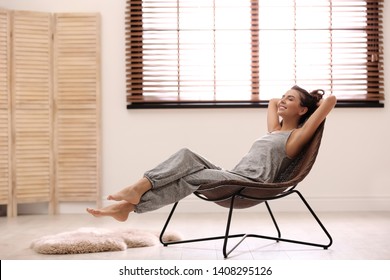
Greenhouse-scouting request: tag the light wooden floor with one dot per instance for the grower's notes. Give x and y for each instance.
(357, 236)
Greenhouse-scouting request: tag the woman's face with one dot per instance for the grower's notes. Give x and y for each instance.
(290, 105)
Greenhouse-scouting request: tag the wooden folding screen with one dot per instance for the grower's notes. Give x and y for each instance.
(5, 113)
(50, 108)
(32, 112)
(77, 83)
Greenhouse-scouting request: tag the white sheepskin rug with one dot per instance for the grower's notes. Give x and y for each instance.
(93, 240)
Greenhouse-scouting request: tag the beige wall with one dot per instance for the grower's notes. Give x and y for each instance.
(352, 171)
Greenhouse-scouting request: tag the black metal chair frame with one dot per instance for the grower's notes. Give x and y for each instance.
(243, 236)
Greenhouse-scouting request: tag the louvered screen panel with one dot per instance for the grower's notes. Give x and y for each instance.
(77, 94)
(5, 113)
(32, 102)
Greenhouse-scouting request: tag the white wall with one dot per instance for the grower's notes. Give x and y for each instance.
(352, 170)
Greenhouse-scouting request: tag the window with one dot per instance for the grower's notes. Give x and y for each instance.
(242, 53)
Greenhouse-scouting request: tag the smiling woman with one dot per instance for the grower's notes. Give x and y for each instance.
(184, 172)
(240, 53)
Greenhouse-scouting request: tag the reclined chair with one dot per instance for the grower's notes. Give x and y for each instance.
(238, 195)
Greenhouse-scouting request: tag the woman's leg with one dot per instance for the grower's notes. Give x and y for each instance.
(180, 164)
(162, 185)
(156, 198)
(179, 189)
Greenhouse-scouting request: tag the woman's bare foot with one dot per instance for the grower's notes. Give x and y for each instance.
(128, 194)
(119, 211)
(133, 193)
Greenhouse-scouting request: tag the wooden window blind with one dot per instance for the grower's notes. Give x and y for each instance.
(211, 52)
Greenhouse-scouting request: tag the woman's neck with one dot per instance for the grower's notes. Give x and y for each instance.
(289, 125)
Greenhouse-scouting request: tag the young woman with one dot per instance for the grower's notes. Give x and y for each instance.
(181, 174)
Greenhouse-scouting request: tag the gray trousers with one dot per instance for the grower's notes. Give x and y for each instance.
(179, 176)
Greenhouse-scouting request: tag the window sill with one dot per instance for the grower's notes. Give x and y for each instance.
(261, 104)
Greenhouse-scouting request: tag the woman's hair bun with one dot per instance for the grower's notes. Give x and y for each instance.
(317, 94)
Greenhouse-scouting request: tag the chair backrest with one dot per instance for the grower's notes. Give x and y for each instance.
(221, 192)
(302, 164)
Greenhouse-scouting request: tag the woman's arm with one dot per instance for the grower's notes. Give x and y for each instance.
(273, 122)
(302, 135)
(319, 115)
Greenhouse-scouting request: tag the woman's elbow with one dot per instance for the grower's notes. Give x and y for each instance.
(330, 101)
(333, 99)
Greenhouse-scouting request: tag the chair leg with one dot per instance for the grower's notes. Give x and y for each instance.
(325, 246)
(227, 236)
(166, 225)
(273, 219)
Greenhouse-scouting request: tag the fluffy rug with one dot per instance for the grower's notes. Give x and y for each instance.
(93, 240)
